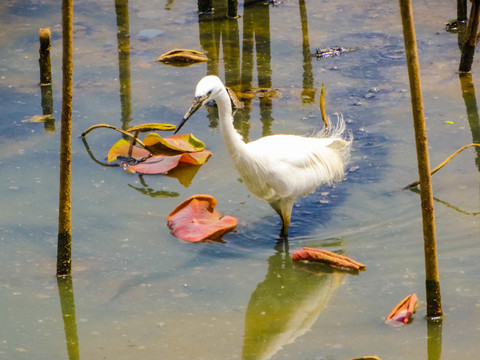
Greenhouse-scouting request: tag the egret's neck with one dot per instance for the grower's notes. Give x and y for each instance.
(233, 140)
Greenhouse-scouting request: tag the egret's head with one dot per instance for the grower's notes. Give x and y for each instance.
(207, 89)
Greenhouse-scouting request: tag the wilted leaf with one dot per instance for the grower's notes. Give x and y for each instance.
(326, 257)
(157, 164)
(403, 311)
(122, 148)
(182, 57)
(177, 143)
(195, 219)
(196, 158)
(152, 127)
(168, 153)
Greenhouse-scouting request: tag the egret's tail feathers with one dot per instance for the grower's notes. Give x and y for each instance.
(334, 129)
(341, 144)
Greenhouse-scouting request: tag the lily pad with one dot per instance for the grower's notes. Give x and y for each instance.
(196, 158)
(122, 148)
(157, 164)
(177, 143)
(196, 219)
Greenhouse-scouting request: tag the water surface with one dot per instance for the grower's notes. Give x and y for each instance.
(140, 292)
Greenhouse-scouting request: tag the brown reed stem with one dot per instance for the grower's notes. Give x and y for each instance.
(64, 247)
(468, 50)
(44, 60)
(434, 304)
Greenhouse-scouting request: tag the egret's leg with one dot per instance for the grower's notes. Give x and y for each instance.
(286, 206)
(277, 207)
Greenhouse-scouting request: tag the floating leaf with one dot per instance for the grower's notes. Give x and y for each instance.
(195, 219)
(157, 164)
(196, 158)
(326, 257)
(177, 143)
(182, 57)
(122, 148)
(403, 311)
(152, 127)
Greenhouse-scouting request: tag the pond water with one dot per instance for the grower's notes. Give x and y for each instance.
(137, 291)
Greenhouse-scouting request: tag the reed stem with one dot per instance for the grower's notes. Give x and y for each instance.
(434, 304)
(468, 50)
(64, 247)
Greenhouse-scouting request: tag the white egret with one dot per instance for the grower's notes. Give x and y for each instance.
(277, 168)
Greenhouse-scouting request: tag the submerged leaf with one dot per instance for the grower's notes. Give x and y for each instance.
(326, 257)
(196, 219)
(403, 311)
(175, 143)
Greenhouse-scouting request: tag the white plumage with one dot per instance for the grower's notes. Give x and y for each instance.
(277, 168)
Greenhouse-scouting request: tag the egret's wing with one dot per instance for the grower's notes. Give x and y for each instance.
(295, 166)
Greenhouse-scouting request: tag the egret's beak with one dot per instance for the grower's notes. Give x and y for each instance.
(197, 103)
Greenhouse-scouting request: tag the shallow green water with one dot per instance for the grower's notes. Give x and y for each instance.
(141, 293)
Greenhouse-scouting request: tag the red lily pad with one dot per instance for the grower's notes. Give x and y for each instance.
(196, 219)
(403, 311)
(161, 164)
(158, 164)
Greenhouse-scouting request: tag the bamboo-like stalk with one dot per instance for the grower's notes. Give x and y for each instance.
(434, 304)
(64, 247)
(46, 78)
(462, 11)
(44, 61)
(468, 50)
